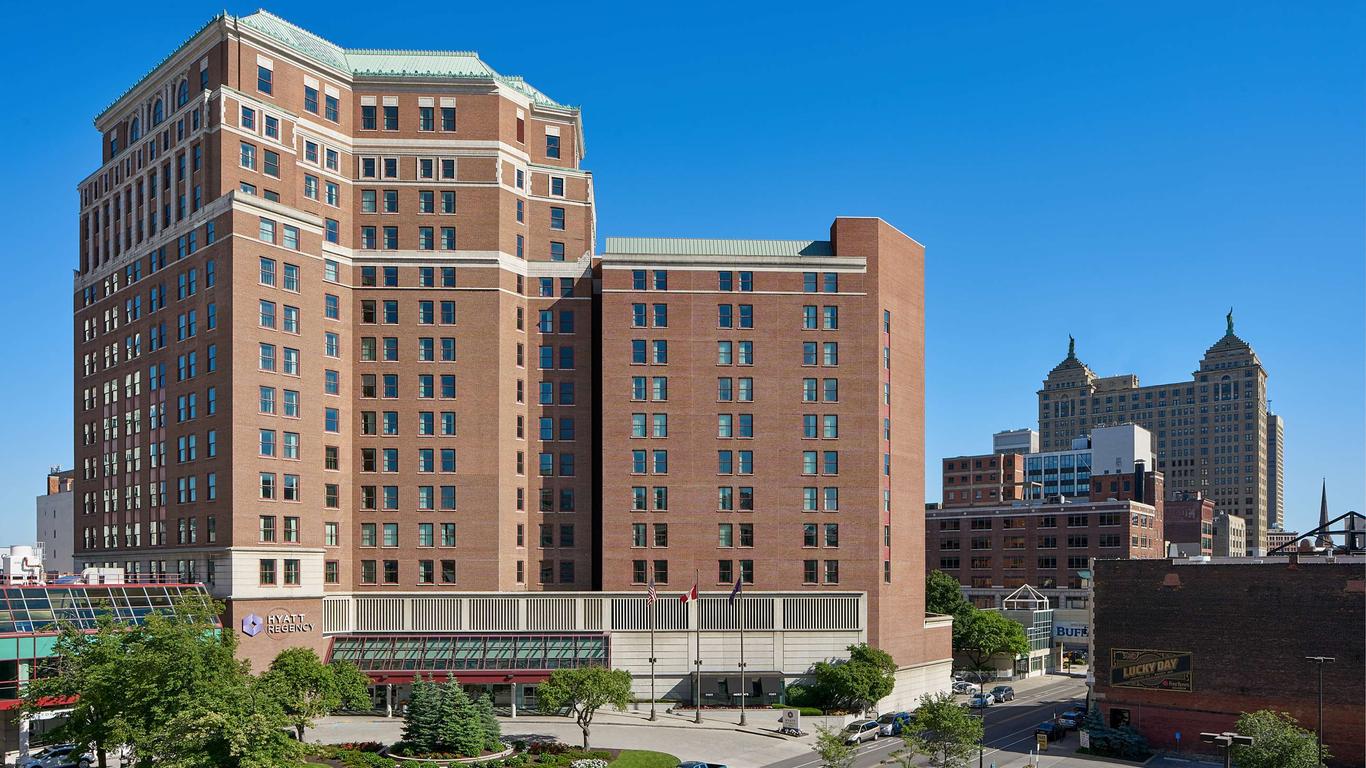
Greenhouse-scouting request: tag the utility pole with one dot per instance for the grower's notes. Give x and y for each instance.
(1320, 661)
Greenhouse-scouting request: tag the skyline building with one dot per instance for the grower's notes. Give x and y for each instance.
(1211, 433)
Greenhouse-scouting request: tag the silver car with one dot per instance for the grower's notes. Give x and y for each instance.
(981, 700)
(58, 756)
(860, 731)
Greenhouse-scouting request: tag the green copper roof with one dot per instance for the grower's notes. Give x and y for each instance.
(365, 62)
(685, 246)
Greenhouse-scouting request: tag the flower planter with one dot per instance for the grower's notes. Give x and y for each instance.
(449, 761)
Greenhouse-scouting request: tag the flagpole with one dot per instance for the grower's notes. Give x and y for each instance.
(697, 661)
(650, 606)
(740, 604)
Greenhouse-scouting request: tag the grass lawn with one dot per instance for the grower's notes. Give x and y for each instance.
(643, 758)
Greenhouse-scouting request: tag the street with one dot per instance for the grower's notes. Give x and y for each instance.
(1009, 728)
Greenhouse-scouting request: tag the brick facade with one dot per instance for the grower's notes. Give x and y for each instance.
(1248, 627)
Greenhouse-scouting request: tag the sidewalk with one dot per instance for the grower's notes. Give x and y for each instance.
(1048, 760)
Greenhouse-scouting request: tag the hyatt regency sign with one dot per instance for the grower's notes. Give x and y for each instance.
(1150, 670)
(277, 623)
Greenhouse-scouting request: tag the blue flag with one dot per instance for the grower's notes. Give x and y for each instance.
(734, 593)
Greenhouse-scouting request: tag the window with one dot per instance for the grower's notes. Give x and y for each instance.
(264, 76)
(552, 146)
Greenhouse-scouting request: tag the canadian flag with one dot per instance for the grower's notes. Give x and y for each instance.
(690, 594)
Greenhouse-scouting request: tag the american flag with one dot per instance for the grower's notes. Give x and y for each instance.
(650, 594)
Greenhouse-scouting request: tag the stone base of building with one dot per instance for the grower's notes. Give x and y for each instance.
(915, 681)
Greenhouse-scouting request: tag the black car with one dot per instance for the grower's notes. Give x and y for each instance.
(1050, 732)
(1003, 693)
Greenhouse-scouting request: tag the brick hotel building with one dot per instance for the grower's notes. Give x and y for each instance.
(341, 353)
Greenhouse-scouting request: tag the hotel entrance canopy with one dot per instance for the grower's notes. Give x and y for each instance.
(471, 658)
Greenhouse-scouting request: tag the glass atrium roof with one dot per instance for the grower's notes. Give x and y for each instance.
(453, 653)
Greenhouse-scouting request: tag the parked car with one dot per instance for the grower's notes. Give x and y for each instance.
(981, 701)
(58, 756)
(700, 764)
(1050, 731)
(1078, 712)
(860, 731)
(1068, 721)
(963, 686)
(1003, 693)
(892, 723)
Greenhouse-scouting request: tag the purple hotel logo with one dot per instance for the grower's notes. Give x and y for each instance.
(252, 625)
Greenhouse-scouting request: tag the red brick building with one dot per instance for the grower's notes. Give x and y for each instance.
(337, 335)
(993, 550)
(1186, 646)
(1189, 523)
(986, 480)
(762, 419)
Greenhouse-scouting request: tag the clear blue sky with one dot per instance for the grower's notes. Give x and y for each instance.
(1122, 172)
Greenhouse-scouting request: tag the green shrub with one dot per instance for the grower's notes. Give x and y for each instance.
(807, 711)
(353, 759)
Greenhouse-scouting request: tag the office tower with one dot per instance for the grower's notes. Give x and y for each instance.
(1211, 432)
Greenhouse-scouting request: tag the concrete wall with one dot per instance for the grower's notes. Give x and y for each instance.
(56, 531)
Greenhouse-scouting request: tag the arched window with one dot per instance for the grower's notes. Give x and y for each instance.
(158, 112)
(182, 94)
(1226, 388)
(134, 130)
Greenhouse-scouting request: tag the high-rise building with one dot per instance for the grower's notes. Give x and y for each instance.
(328, 301)
(1275, 471)
(1211, 433)
(338, 356)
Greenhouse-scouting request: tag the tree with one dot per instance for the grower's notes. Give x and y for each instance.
(241, 726)
(86, 667)
(422, 718)
(1122, 742)
(830, 746)
(441, 718)
(1278, 741)
(865, 678)
(979, 635)
(585, 690)
(306, 688)
(131, 680)
(943, 594)
(353, 687)
(461, 728)
(943, 730)
(493, 732)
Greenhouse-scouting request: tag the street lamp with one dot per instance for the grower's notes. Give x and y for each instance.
(1320, 660)
(1226, 741)
(981, 745)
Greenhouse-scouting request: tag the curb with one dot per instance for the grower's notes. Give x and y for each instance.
(660, 723)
